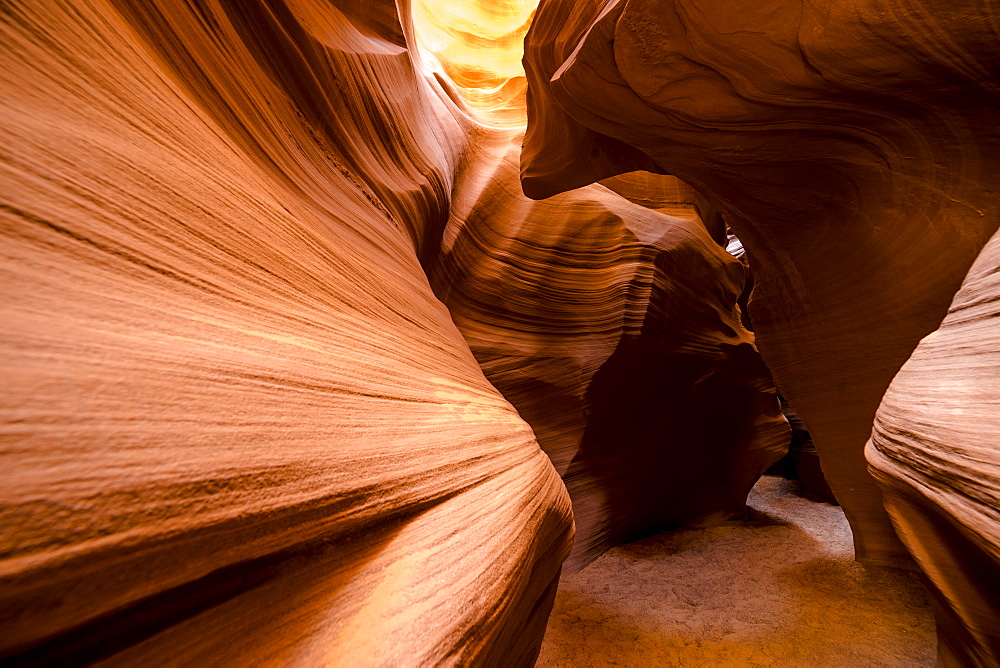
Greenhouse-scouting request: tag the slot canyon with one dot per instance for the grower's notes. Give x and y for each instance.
(495, 332)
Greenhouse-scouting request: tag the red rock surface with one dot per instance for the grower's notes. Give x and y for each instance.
(238, 426)
(851, 148)
(935, 454)
(559, 153)
(614, 331)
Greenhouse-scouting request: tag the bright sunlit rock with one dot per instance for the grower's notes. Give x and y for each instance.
(479, 45)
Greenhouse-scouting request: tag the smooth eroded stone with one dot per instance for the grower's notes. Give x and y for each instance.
(560, 154)
(237, 426)
(852, 148)
(614, 331)
(935, 452)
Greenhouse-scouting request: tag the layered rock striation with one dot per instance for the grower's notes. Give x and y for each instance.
(851, 147)
(238, 426)
(934, 452)
(613, 329)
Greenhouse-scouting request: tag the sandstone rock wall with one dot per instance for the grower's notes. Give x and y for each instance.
(614, 331)
(936, 453)
(238, 426)
(852, 148)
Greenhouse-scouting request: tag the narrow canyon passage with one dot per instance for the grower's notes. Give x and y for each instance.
(372, 332)
(780, 589)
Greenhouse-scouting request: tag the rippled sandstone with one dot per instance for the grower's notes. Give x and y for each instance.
(613, 329)
(934, 451)
(238, 426)
(851, 148)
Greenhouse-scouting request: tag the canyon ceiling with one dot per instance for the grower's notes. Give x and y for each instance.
(331, 335)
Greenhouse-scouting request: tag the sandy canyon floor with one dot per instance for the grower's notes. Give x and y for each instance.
(781, 589)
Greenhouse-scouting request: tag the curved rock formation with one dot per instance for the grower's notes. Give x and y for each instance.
(237, 424)
(560, 154)
(614, 331)
(850, 146)
(934, 452)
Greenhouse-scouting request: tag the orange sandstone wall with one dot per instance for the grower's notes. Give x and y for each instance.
(614, 331)
(851, 147)
(935, 452)
(237, 425)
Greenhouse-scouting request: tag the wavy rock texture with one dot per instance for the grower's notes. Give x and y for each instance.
(558, 153)
(935, 453)
(613, 329)
(851, 146)
(237, 425)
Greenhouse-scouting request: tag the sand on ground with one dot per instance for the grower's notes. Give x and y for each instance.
(781, 589)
